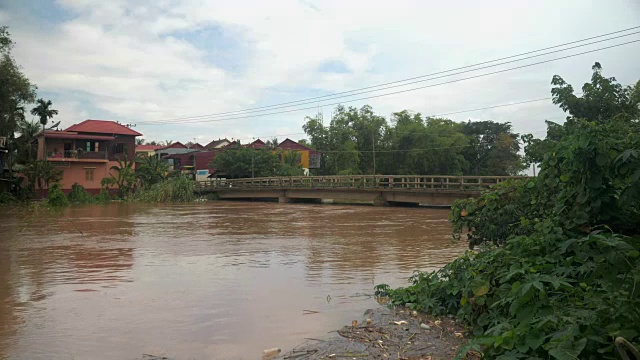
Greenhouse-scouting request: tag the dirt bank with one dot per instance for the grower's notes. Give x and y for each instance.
(390, 334)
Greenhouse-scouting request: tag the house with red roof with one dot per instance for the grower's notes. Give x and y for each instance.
(85, 152)
(217, 144)
(309, 158)
(257, 144)
(147, 150)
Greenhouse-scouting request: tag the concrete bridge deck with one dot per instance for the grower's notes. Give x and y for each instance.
(433, 190)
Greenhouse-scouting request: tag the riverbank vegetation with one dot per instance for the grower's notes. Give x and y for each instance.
(175, 189)
(359, 141)
(556, 273)
(243, 162)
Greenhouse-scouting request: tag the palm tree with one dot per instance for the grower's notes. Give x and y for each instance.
(272, 144)
(124, 179)
(44, 113)
(28, 132)
(9, 126)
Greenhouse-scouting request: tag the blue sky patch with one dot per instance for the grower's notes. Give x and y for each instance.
(334, 66)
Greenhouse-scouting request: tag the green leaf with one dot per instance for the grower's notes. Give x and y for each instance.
(534, 339)
(595, 182)
(568, 350)
(582, 197)
(479, 286)
(601, 159)
(581, 218)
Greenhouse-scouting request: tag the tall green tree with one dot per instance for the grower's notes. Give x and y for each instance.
(15, 92)
(41, 173)
(357, 139)
(603, 100)
(151, 170)
(244, 162)
(25, 142)
(124, 178)
(44, 112)
(493, 149)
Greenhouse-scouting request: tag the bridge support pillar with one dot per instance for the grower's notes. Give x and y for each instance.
(283, 200)
(379, 201)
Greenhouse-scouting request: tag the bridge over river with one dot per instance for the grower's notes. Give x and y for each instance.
(433, 190)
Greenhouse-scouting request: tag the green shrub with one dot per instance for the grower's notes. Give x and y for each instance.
(559, 267)
(56, 197)
(103, 197)
(175, 189)
(539, 296)
(79, 195)
(7, 198)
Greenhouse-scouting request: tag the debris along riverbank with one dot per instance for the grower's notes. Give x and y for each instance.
(385, 333)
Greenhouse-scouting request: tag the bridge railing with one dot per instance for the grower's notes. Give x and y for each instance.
(390, 182)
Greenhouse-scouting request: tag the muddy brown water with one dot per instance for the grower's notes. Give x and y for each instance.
(213, 280)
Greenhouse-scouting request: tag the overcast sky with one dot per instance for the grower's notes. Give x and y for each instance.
(143, 61)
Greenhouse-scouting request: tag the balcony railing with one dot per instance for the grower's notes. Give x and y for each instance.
(78, 154)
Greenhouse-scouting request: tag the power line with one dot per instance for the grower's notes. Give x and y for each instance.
(492, 107)
(402, 91)
(315, 99)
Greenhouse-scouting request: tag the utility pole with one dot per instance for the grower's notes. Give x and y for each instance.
(373, 145)
(253, 155)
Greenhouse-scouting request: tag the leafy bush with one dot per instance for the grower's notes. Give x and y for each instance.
(559, 269)
(56, 197)
(7, 198)
(497, 214)
(539, 296)
(177, 189)
(79, 195)
(150, 170)
(589, 179)
(102, 197)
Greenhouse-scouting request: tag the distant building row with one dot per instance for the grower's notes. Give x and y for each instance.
(85, 152)
(195, 158)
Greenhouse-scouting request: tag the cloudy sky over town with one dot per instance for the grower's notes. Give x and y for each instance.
(147, 62)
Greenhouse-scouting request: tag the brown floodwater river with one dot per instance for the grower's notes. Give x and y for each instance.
(211, 280)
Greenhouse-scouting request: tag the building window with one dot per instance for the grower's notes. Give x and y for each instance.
(92, 146)
(88, 174)
(121, 148)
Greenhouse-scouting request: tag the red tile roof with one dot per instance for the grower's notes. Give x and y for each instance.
(147, 147)
(104, 127)
(289, 144)
(203, 159)
(215, 143)
(175, 145)
(258, 144)
(74, 135)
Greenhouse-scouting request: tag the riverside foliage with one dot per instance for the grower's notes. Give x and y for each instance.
(557, 273)
(175, 189)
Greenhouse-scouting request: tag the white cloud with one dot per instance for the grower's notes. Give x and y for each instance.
(136, 61)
